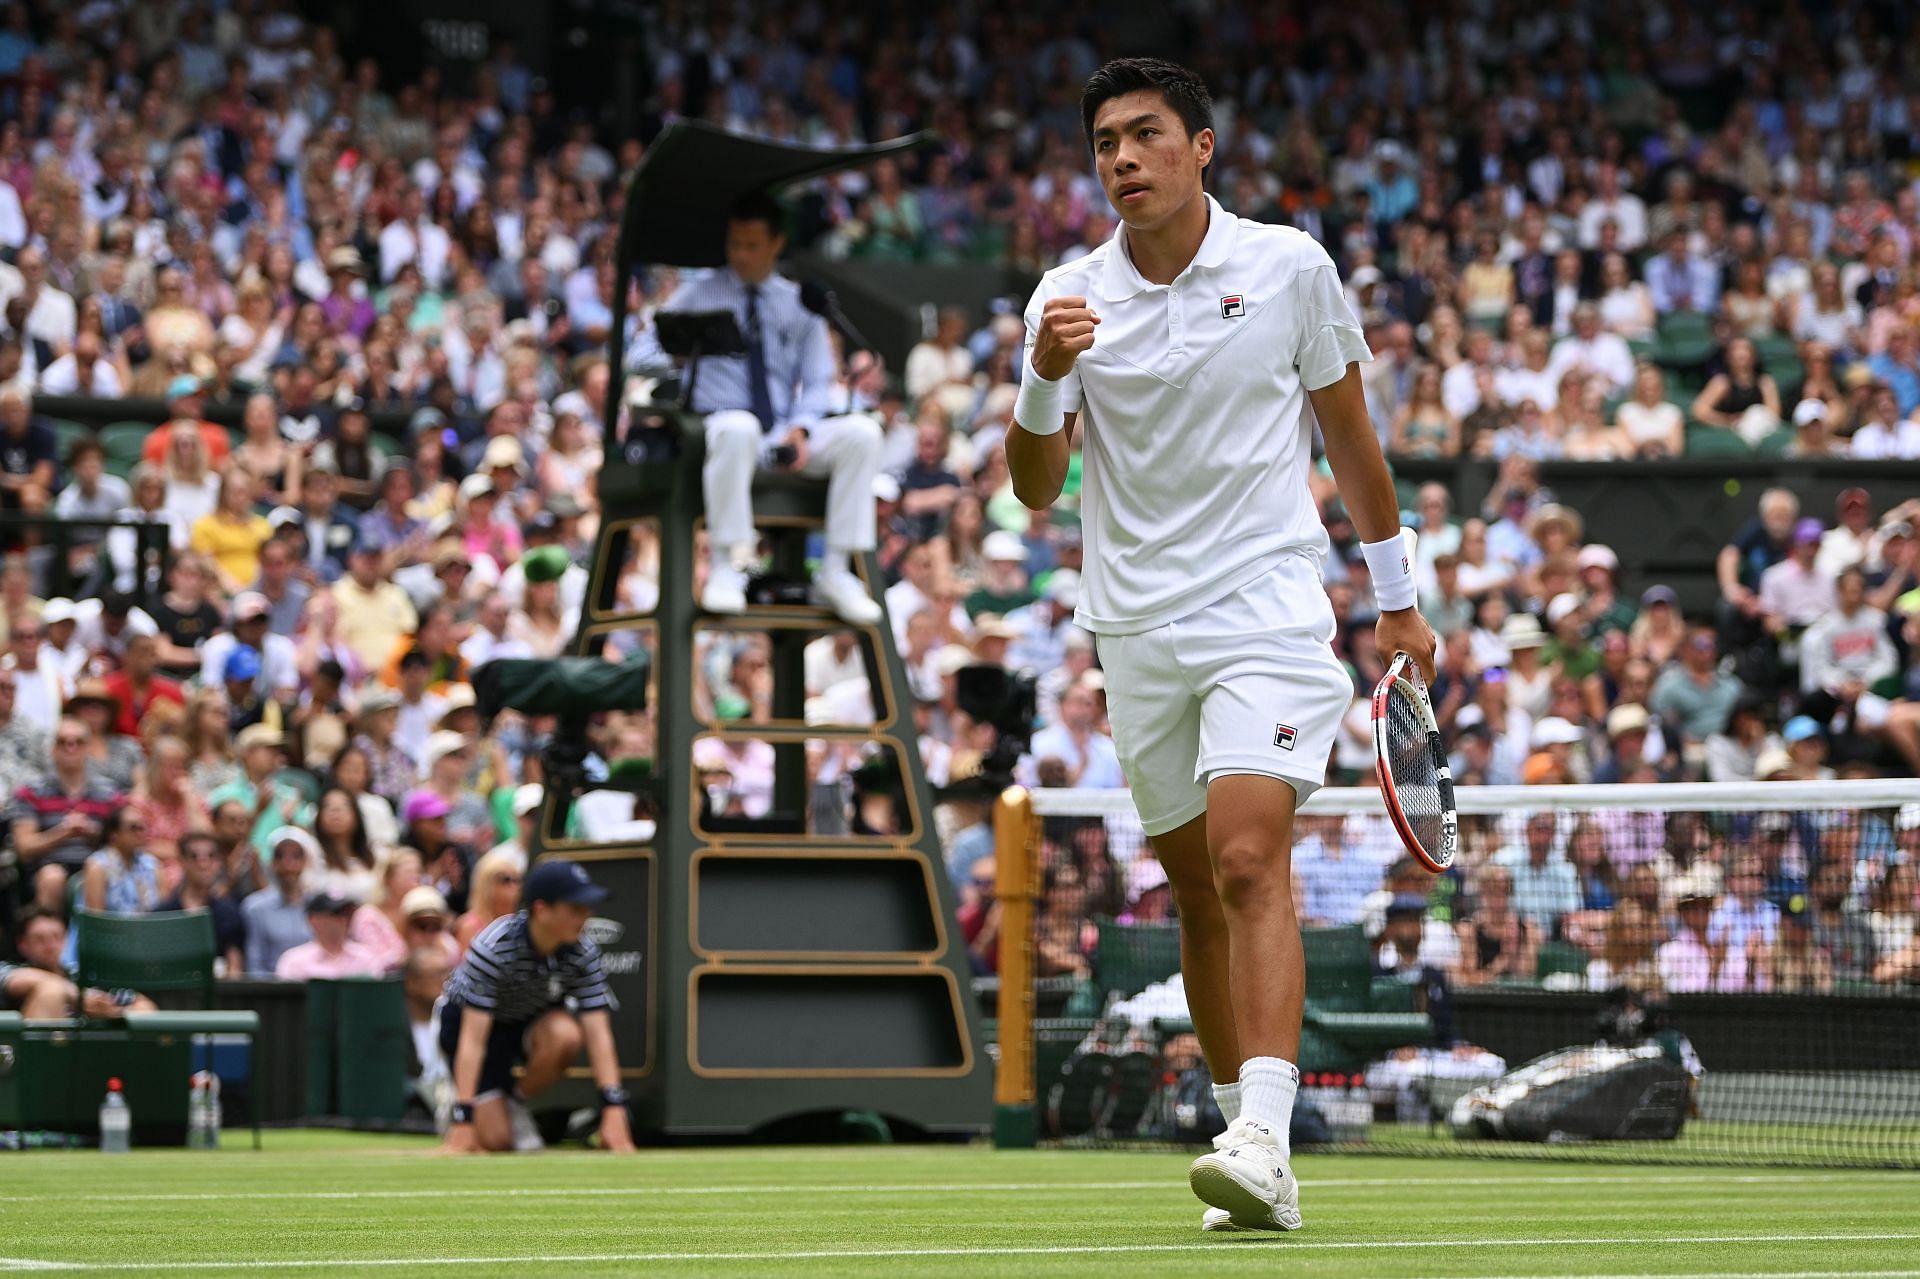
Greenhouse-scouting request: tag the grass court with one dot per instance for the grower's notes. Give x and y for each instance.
(339, 1203)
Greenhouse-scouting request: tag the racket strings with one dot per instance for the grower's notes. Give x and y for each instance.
(1416, 781)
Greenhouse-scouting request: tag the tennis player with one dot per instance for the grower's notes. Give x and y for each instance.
(1187, 348)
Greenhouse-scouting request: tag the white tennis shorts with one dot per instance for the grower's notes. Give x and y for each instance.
(1247, 684)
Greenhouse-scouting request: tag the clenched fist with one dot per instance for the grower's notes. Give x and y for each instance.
(1066, 329)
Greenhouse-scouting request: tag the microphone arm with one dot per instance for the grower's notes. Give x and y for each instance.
(824, 302)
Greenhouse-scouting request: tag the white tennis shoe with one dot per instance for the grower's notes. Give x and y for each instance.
(726, 591)
(526, 1133)
(847, 596)
(1246, 1181)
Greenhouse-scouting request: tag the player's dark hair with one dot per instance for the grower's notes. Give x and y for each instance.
(1183, 89)
(758, 206)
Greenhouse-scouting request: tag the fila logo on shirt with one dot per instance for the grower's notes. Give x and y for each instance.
(1283, 736)
(1232, 307)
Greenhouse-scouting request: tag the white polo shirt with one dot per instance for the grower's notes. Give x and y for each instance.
(1190, 399)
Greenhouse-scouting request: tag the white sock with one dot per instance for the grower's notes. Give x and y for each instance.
(726, 558)
(834, 562)
(1267, 1086)
(1227, 1097)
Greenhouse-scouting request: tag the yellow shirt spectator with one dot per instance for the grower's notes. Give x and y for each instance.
(233, 543)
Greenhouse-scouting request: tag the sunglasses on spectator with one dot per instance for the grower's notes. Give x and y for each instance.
(69, 741)
(428, 924)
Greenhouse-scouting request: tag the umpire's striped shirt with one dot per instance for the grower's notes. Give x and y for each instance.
(504, 975)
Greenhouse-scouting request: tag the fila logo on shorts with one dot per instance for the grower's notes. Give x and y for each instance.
(1232, 307)
(1283, 736)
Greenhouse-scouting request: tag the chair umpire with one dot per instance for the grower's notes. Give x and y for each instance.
(772, 406)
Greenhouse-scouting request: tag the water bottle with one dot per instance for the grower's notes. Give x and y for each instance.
(116, 1122)
(208, 1085)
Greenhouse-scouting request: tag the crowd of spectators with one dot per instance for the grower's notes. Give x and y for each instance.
(1584, 232)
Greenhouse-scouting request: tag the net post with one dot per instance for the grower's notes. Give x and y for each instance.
(1015, 1119)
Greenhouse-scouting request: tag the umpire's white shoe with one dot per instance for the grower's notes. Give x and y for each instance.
(1247, 1181)
(847, 596)
(725, 592)
(526, 1133)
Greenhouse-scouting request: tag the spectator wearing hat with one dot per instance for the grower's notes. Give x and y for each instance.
(332, 954)
(203, 887)
(1659, 630)
(270, 803)
(1690, 963)
(426, 921)
(60, 624)
(392, 768)
(113, 757)
(1794, 593)
(1529, 678)
(185, 401)
(1811, 437)
(276, 916)
(1603, 606)
(1806, 751)
(346, 306)
(503, 1007)
(489, 533)
(1003, 585)
(1627, 737)
(542, 622)
(246, 705)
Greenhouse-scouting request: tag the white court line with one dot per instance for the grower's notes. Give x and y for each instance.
(882, 1254)
(944, 1188)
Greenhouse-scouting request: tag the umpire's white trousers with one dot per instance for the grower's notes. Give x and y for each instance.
(844, 449)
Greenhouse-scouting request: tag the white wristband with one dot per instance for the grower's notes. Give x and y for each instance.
(1391, 565)
(1037, 409)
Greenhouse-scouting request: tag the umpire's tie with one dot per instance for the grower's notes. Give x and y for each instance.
(757, 362)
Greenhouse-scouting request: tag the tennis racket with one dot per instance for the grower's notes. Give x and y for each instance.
(1414, 778)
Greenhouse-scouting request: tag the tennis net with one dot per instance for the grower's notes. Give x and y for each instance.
(1685, 972)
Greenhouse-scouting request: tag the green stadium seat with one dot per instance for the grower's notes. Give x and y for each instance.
(67, 433)
(1350, 1018)
(169, 951)
(1686, 341)
(1713, 441)
(124, 441)
(1775, 445)
(1557, 957)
